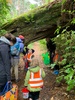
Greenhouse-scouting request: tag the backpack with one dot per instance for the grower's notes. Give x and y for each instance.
(46, 58)
(15, 49)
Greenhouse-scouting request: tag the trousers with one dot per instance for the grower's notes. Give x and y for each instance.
(14, 67)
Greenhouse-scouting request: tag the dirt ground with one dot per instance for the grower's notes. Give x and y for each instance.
(51, 90)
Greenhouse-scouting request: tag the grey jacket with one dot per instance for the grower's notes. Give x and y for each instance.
(5, 59)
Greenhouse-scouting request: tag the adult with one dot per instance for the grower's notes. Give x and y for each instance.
(15, 52)
(21, 40)
(15, 58)
(5, 62)
(51, 46)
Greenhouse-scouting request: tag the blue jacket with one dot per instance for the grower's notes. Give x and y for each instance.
(21, 47)
(21, 44)
(5, 59)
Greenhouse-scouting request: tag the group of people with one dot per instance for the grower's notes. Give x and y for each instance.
(5, 59)
(8, 58)
(10, 49)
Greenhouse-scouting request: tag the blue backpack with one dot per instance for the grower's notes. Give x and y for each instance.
(15, 49)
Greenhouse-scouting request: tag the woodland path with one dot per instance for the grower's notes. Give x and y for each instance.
(51, 90)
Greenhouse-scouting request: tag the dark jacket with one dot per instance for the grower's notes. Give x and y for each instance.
(51, 46)
(5, 61)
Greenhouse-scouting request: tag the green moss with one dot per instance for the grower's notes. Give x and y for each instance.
(36, 17)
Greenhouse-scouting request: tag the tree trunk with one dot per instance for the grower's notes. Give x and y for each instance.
(39, 23)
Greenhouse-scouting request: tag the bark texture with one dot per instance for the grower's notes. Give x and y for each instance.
(41, 22)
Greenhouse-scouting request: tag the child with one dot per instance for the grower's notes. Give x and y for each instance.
(27, 57)
(34, 79)
(56, 59)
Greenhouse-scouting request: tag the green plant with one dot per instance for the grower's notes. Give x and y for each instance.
(32, 6)
(65, 43)
(4, 9)
(30, 46)
(43, 44)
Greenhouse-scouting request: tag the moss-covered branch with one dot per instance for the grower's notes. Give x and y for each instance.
(36, 24)
(41, 22)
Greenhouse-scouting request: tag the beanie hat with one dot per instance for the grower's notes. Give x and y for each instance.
(21, 36)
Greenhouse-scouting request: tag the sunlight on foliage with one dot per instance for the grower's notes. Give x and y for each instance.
(30, 46)
(42, 44)
(4, 9)
(63, 1)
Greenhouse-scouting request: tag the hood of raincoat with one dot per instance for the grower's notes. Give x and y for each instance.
(21, 44)
(19, 40)
(4, 39)
(34, 69)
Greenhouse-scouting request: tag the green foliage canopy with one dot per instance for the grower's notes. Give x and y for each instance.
(4, 9)
(65, 43)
